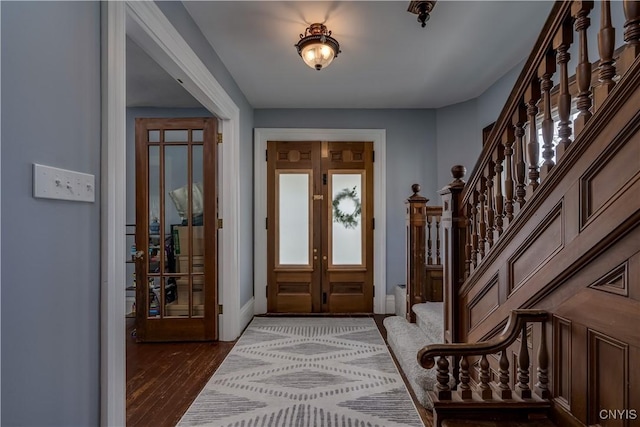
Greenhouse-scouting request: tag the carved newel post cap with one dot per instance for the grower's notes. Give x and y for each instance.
(415, 197)
(458, 172)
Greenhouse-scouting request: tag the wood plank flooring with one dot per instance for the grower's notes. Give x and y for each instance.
(163, 379)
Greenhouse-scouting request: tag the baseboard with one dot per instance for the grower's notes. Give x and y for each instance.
(390, 304)
(246, 314)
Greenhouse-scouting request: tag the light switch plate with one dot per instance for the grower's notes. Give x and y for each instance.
(62, 184)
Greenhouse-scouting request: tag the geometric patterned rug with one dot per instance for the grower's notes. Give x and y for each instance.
(301, 371)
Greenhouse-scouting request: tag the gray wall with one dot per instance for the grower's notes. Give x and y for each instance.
(411, 148)
(50, 248)
(459, 126)
(182, 21)
(459, 139)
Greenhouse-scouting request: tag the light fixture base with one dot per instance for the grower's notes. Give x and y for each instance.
(423, 9)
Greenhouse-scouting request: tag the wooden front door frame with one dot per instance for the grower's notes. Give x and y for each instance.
(145, 23)
(261, 136)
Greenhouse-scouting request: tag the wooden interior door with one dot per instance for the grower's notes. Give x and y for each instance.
(320, 227)
(176, 271)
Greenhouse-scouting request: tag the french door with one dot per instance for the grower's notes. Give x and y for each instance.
(320, 227)
(176, 289)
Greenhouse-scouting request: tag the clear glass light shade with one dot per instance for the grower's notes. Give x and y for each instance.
(317, 55)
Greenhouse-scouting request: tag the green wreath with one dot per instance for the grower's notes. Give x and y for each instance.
(348, 220)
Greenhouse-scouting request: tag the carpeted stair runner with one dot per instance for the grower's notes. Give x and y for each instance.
(405, 339)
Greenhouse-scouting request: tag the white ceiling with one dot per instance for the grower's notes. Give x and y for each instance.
(387, 59)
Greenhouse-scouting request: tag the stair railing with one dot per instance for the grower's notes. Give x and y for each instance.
(522, 148)
(516, 327)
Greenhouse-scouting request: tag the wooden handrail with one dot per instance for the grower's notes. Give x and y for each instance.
(517, 319)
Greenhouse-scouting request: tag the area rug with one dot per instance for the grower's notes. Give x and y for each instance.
(306, 372)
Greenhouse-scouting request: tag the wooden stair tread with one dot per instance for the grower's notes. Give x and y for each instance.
(506, 423)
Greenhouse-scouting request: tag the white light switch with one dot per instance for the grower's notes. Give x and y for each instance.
(62, 184)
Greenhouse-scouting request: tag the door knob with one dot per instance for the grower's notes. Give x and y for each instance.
(139, 255)
(324, 257)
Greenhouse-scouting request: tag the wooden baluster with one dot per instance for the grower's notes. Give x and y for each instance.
(523, 367)
(498, 158)
(476, 234)
(507, 141)
(429, 253)
(490, 173)
(484, 388)
(504, 390)
(482, 219)
(468, 249)
(438, 259)
(606, 44)
(518, 121)
(542, 387)
(561, 43)
(443, 391)
(580, 12)
(532, 96)
(631, 34)
(464, 388)
(545, 72)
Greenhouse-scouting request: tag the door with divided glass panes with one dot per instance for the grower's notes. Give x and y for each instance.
(320, 227)
(176, 290)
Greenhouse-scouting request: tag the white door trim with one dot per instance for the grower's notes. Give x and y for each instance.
(261, 136)
(145, 23)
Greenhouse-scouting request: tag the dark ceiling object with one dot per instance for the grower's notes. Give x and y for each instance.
(422, 9)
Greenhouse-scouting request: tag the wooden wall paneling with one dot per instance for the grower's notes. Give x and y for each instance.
(608, 360)
(483, 303)
(634, 381)
(634, 277)
(579, 371)
(608, 313)
(561, 356)
(610, 174)
(615, 282)
(433, 283)
(540, 246)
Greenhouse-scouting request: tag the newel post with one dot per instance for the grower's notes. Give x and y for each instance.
(454, 241)
(416, 249)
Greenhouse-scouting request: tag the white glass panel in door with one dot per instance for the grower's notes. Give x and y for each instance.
(197, 239)
(176, 211)
(346, 218)
(293, 218)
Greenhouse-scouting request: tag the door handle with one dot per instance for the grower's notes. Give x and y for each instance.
(139, 255)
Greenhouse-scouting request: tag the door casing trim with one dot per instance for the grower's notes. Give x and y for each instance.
(261, 136)
(145, 23)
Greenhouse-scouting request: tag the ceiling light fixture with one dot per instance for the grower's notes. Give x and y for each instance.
(422, 9)
(316, 46)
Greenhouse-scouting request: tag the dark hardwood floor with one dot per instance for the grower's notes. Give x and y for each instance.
(163, 379)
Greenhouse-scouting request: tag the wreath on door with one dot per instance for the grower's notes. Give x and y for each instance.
(348, 220)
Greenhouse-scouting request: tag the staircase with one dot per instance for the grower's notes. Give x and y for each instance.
(406, 339)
